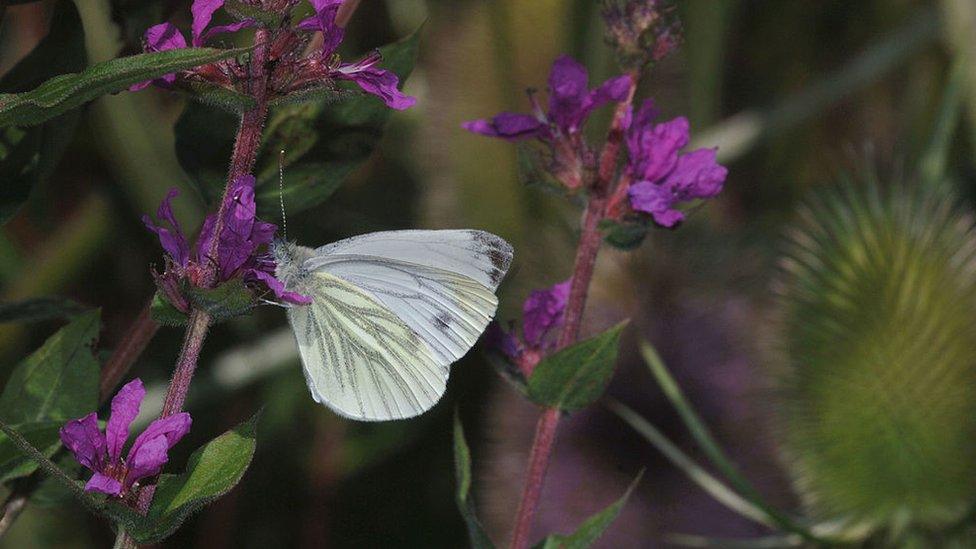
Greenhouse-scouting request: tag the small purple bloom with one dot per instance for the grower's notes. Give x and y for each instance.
(664, 176)
(166, 36)
(364, 73)
(570, 104)
(542, 312)
(102, 452)
(239, 251)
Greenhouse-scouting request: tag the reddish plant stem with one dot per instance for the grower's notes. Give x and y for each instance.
(585, 262)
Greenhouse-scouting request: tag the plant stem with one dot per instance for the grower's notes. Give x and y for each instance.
(583, 266)
(133, 343)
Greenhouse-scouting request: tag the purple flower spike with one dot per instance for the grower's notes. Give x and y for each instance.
(570, 104)
(663, 175)
(102, 452)
(542, 312)
(171, 238)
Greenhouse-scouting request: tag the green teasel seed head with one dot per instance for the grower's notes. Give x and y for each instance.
(877, 302)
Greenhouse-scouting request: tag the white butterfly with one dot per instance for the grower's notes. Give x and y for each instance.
(390, 312)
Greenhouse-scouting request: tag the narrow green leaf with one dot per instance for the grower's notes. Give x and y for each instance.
(29, 156)
(43, 435)
(165, 313)
(38, 309)
(593, 527)
(462, 473)
(576, 376)
(715, 487)
(627, 234)
(68, 91)
(713, 451)
(212, 471)
(768, 542)
(59, 381)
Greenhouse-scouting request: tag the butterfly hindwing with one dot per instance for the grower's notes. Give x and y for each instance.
(359, 358)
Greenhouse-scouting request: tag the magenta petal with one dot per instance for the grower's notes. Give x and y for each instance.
(224, 29)
(278, 288)
(508, 125)
(125, 408)
(696, 175)
(104, 484)
(379, 82)
(164, 36)
(202, 11)
(83, 438)
(149, 451)
(657, 147)
(543, 311)
(324, 21)
(656, 200)
(567, 92)
(614, 89)
(496, 337)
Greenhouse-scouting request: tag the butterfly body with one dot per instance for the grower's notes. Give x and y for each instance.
(390, 312)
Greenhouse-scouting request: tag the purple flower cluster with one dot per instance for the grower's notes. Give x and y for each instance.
(321, 66)
(542, 315)
(237, 254)
(101, 452)
(662, 175)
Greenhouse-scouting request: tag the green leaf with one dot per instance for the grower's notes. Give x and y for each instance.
(230, 299)
(42, 435)
(713, 451)
(165, 313)
(533, 171)
(593, 527)
(626, 234)
(211, 472)
(576, 376)
(38, 309)
(477, 537)
(68, 91)
(325, 138)
(29, 156)
(59, 381)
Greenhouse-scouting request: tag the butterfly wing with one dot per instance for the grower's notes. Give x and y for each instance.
(440, 283)
(359, 358)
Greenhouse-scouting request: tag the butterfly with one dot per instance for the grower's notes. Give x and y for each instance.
(390, 312)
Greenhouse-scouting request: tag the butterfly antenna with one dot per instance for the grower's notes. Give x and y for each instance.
(281, 192)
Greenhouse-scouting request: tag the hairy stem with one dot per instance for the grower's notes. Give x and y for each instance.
(584, 264)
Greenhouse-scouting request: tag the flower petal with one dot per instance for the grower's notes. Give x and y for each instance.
(277, 287)
(696, 175)
(161, 37)
(654, 149)
(85, 441)
(149, 451)
(614, 89)
(202, 11)
(104, 484)
(125, 408)
(543, 311)
(508, 125)
(324, 22)
(656, 200)
(567, 92)
(171, 239)
(375, 81)
(497, 338)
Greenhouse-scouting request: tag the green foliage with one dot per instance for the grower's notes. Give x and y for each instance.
(878, 409)
(38, 309)
(626, 234)
(230, 299)
(576, 376)
(59, 381)
(325, 138)
(30, 155)
(592, 528)
(212, 471)
(462, 473)
(41, 434)
(68, 91)
(165, 313)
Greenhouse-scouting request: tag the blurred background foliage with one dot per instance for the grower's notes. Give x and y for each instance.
(792, 92)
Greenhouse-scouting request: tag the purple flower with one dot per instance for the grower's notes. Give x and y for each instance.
(570, 104)
(664, 176)
(166, 36)
(239, 251)
(364, 73)
(542, 312)
(102, 452)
